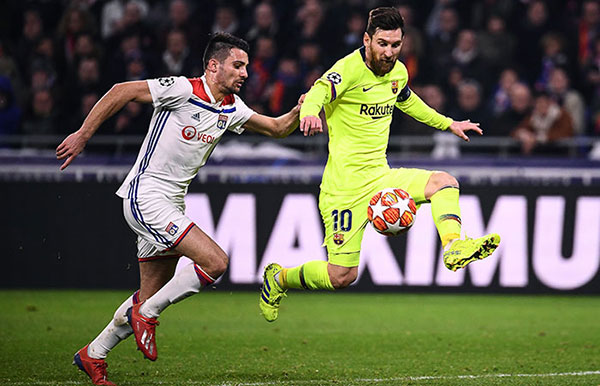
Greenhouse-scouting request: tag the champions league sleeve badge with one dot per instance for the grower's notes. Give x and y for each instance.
(166, 82)
(334, 78)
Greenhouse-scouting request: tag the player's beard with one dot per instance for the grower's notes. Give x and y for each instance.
(234, 89)
(381, 66)
(228, 82)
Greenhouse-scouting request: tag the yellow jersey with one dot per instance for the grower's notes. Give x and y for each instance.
(358, 108)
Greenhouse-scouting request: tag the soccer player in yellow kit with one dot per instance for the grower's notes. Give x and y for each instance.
(359, 94)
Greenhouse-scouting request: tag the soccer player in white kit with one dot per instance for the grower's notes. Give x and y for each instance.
(190, 116)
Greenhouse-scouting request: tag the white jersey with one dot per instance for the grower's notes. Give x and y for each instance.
(186, 126)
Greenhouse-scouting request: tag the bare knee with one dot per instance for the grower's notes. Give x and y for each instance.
(216, 265)
(437, 181)
(442, 179)
(199, 247)
(342, 277)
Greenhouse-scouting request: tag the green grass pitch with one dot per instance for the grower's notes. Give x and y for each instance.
(349, 338)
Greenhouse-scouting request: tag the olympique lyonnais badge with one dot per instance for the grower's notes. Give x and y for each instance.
(394, 86)
(171, 229)
(338, 238)
(222, 122)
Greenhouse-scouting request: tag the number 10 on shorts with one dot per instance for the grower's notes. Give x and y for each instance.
(343, 218)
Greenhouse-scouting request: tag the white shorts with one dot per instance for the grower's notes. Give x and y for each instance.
(160, 225)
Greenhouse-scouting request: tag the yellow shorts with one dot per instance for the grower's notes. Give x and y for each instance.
(345, 216)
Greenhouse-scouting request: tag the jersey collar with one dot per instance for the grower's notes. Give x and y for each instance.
(363, 55)
(207, 90)
(208, 96)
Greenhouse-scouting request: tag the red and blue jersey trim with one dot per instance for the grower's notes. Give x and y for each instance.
(333, 92)
(199, 91)
(183, 234)
(211, 109)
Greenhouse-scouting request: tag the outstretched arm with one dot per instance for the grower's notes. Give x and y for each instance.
(114, 100)
(279, 127)
(411, 104)
(458, 128)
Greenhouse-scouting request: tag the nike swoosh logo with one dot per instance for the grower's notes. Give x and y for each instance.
(367, 89)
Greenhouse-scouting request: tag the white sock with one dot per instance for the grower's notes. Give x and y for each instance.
(116, 331)
(188, 281)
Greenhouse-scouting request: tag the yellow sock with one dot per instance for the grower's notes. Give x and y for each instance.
(446, 213)
(312, 275)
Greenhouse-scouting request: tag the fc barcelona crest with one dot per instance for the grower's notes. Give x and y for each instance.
(222, 122)
(338, 238)
(394, 86)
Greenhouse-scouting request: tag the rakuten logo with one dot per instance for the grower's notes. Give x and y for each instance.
(376, 111)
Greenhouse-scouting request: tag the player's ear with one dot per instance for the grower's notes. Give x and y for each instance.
(213, 65)
(366, 39)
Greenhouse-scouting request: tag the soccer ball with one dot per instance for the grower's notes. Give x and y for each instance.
(392, 211)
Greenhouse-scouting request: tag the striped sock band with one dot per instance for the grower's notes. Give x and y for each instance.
(454, 217)
(204, 278)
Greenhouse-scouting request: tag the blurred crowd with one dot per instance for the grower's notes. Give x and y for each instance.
(529, 69)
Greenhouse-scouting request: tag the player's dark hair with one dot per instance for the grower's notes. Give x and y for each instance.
(384, 18)
(219, 46)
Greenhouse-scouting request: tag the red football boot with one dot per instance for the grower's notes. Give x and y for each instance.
(143, 331)
(94, 368)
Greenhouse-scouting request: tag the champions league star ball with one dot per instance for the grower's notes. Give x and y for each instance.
(392, 211)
